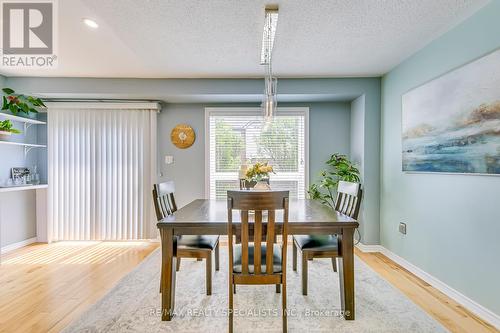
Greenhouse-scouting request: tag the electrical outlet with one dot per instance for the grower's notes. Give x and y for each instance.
(402, 228)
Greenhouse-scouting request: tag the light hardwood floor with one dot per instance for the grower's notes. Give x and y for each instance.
(442, 308)
(45, 287)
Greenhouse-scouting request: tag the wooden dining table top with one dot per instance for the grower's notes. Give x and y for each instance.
(212, 213)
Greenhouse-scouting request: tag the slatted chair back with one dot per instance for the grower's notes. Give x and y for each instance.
(258, 202)
(163, 198)
(348, 199)
(243, 186)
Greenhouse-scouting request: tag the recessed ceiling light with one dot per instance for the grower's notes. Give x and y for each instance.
(91, 23)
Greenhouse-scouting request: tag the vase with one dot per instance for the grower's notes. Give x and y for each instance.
(262, 185)
(249, 184)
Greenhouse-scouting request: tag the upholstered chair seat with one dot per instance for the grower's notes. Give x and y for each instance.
(317, 242)
(276, 258)
(197, 242)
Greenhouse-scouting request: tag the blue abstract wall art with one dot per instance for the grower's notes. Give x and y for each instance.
(452, 124)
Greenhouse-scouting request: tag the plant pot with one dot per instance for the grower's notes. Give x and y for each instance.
(31, 115)
(5, 133)
(250, 184)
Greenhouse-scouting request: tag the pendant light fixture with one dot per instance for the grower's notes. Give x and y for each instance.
(269, 101)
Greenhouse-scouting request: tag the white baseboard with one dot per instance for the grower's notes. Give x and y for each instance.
(369, 248)
(472, 306)
(17, 245)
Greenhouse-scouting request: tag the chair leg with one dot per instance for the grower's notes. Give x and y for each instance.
(294, 256)
(178, 266)
(161, 276)
(217, 257)
(278, 289)
(209, 273)
(231, 287)
(304, 273)
(234, 289)
(285, 319)
(334, 264)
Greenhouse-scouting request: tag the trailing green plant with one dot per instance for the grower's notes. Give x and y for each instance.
(339, 168)
(7, 126)
(16, 103)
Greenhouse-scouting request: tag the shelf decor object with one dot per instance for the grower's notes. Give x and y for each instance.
(182, 136)
(6, 128)
(17, 103)
(14, 104)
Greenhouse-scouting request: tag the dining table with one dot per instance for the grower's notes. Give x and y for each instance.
(209, 217)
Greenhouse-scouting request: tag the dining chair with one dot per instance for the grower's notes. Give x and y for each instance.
(247, 185)
(188, 246)
(347, 202)
(257, 262)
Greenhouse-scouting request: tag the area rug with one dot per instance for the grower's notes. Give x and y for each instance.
(133, 305)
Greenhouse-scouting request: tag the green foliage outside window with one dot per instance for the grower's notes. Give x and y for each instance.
(229, 146)
(279, 142)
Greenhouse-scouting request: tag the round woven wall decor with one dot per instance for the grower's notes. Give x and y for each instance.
(182, 136)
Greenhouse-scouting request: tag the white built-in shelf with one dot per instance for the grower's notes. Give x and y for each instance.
(22, 119)
(29, 145)
(23, 188)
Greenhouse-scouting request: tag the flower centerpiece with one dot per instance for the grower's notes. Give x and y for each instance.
(259, 174)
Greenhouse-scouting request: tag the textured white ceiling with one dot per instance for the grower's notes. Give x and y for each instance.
(221, 38)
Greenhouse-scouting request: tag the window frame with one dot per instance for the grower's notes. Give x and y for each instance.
(253, 111)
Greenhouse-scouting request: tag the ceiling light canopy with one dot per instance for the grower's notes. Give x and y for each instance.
(269, 101)
(91, 23)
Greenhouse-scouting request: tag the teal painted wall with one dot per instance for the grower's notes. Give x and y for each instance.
(330, 121)
(453, 220)
(329, 132)
(301, 91)
(16, 222)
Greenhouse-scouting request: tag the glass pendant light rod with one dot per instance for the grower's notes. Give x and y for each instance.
(269, 102)
(270, 24)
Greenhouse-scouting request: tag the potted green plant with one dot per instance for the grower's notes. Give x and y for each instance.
(6, 128)
(340, 168)
(17, 103)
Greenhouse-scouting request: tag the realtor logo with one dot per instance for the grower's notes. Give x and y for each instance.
(28, 34)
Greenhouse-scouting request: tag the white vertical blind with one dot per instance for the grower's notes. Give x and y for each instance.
(241, 136)
(102, 164)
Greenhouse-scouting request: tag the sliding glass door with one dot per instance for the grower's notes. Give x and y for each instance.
(102, 162)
